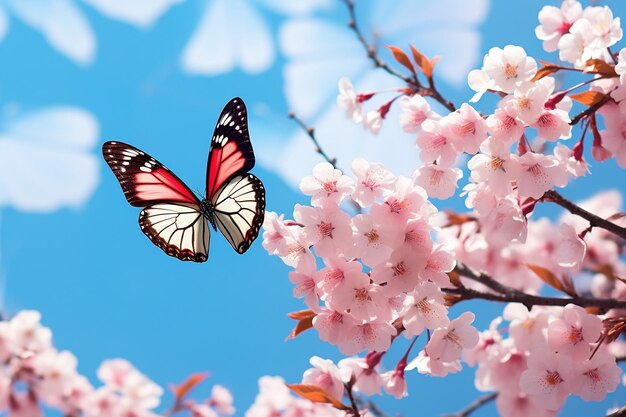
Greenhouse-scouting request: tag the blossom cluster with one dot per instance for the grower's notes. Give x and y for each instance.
(550, 353)
(380, 273)
(35, 374)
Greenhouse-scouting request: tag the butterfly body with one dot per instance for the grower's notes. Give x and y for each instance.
(173, 217)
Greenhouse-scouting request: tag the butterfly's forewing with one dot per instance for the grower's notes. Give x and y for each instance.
(231, 152)
(239, 210)
(172, 217)
(145, 180)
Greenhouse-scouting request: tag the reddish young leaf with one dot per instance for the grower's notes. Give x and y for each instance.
(598, 66)
(589, 98)
(317, 395)
(305, 322)
(424, 63)
(568, 286)
(180, 391)
(548, 68)
(302, 314)
(402, 58)
(547, 276)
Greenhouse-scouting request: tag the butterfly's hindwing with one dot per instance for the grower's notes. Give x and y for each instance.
(239, 208)
(179, 229)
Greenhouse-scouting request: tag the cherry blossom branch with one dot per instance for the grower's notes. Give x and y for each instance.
(353, 403)
(594, 220)
(311, 132)
(371, 49)
(504, 294)
(475, 405)
(413, 81)
(589, 110)
(371, 407)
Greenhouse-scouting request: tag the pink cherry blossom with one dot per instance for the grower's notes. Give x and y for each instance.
(467, 129)
(613, 138)
(373, 121)
(335, 273)
(395, 383)
(27, 335)
(566, 157)
(372, 181)
(596, 377)
(527, 327)
(375, 241)
(520, 404)
(536, 174)
(606, 29)
(556, 22)
(401, 272)
(553, 124)
(357, 295)
(326, 185)
(479, 81)
(325, 375)
(375, 335)
(505, 223)
(574, 46)
(487, 339)
(572, 249)
(572, 332)
(548, 379)
(435, 144)
(509, 67)
(415, 110)
(348, 100)
(488, 166)
(527, 102)
(428, 365)
(505, 126)
(332, 325)
(406, 202)
(439, 263)
(447, 343)
(424, 309)
(367, 379)
(620, 67)
(438, 182)
(222, 400)
(306, 287)
(327, 229)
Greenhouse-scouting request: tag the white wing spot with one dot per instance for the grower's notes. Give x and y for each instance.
(144, 169)
(125, 163)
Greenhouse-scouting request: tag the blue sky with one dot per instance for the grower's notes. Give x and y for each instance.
(107, 292)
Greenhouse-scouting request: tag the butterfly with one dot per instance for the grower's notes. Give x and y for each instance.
(173, 218)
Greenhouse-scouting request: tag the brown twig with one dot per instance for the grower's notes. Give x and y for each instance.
(353, 403)
(371, 50)
(505, 294)
(412, 82)
(594, 221)
(371, 406)
(475, 405)
(591, 109)
(311, 132)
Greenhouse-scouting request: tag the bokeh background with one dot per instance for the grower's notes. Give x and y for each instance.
(156, 73)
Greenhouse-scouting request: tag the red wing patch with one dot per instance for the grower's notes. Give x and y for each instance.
(144, 180)
(231, 152)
